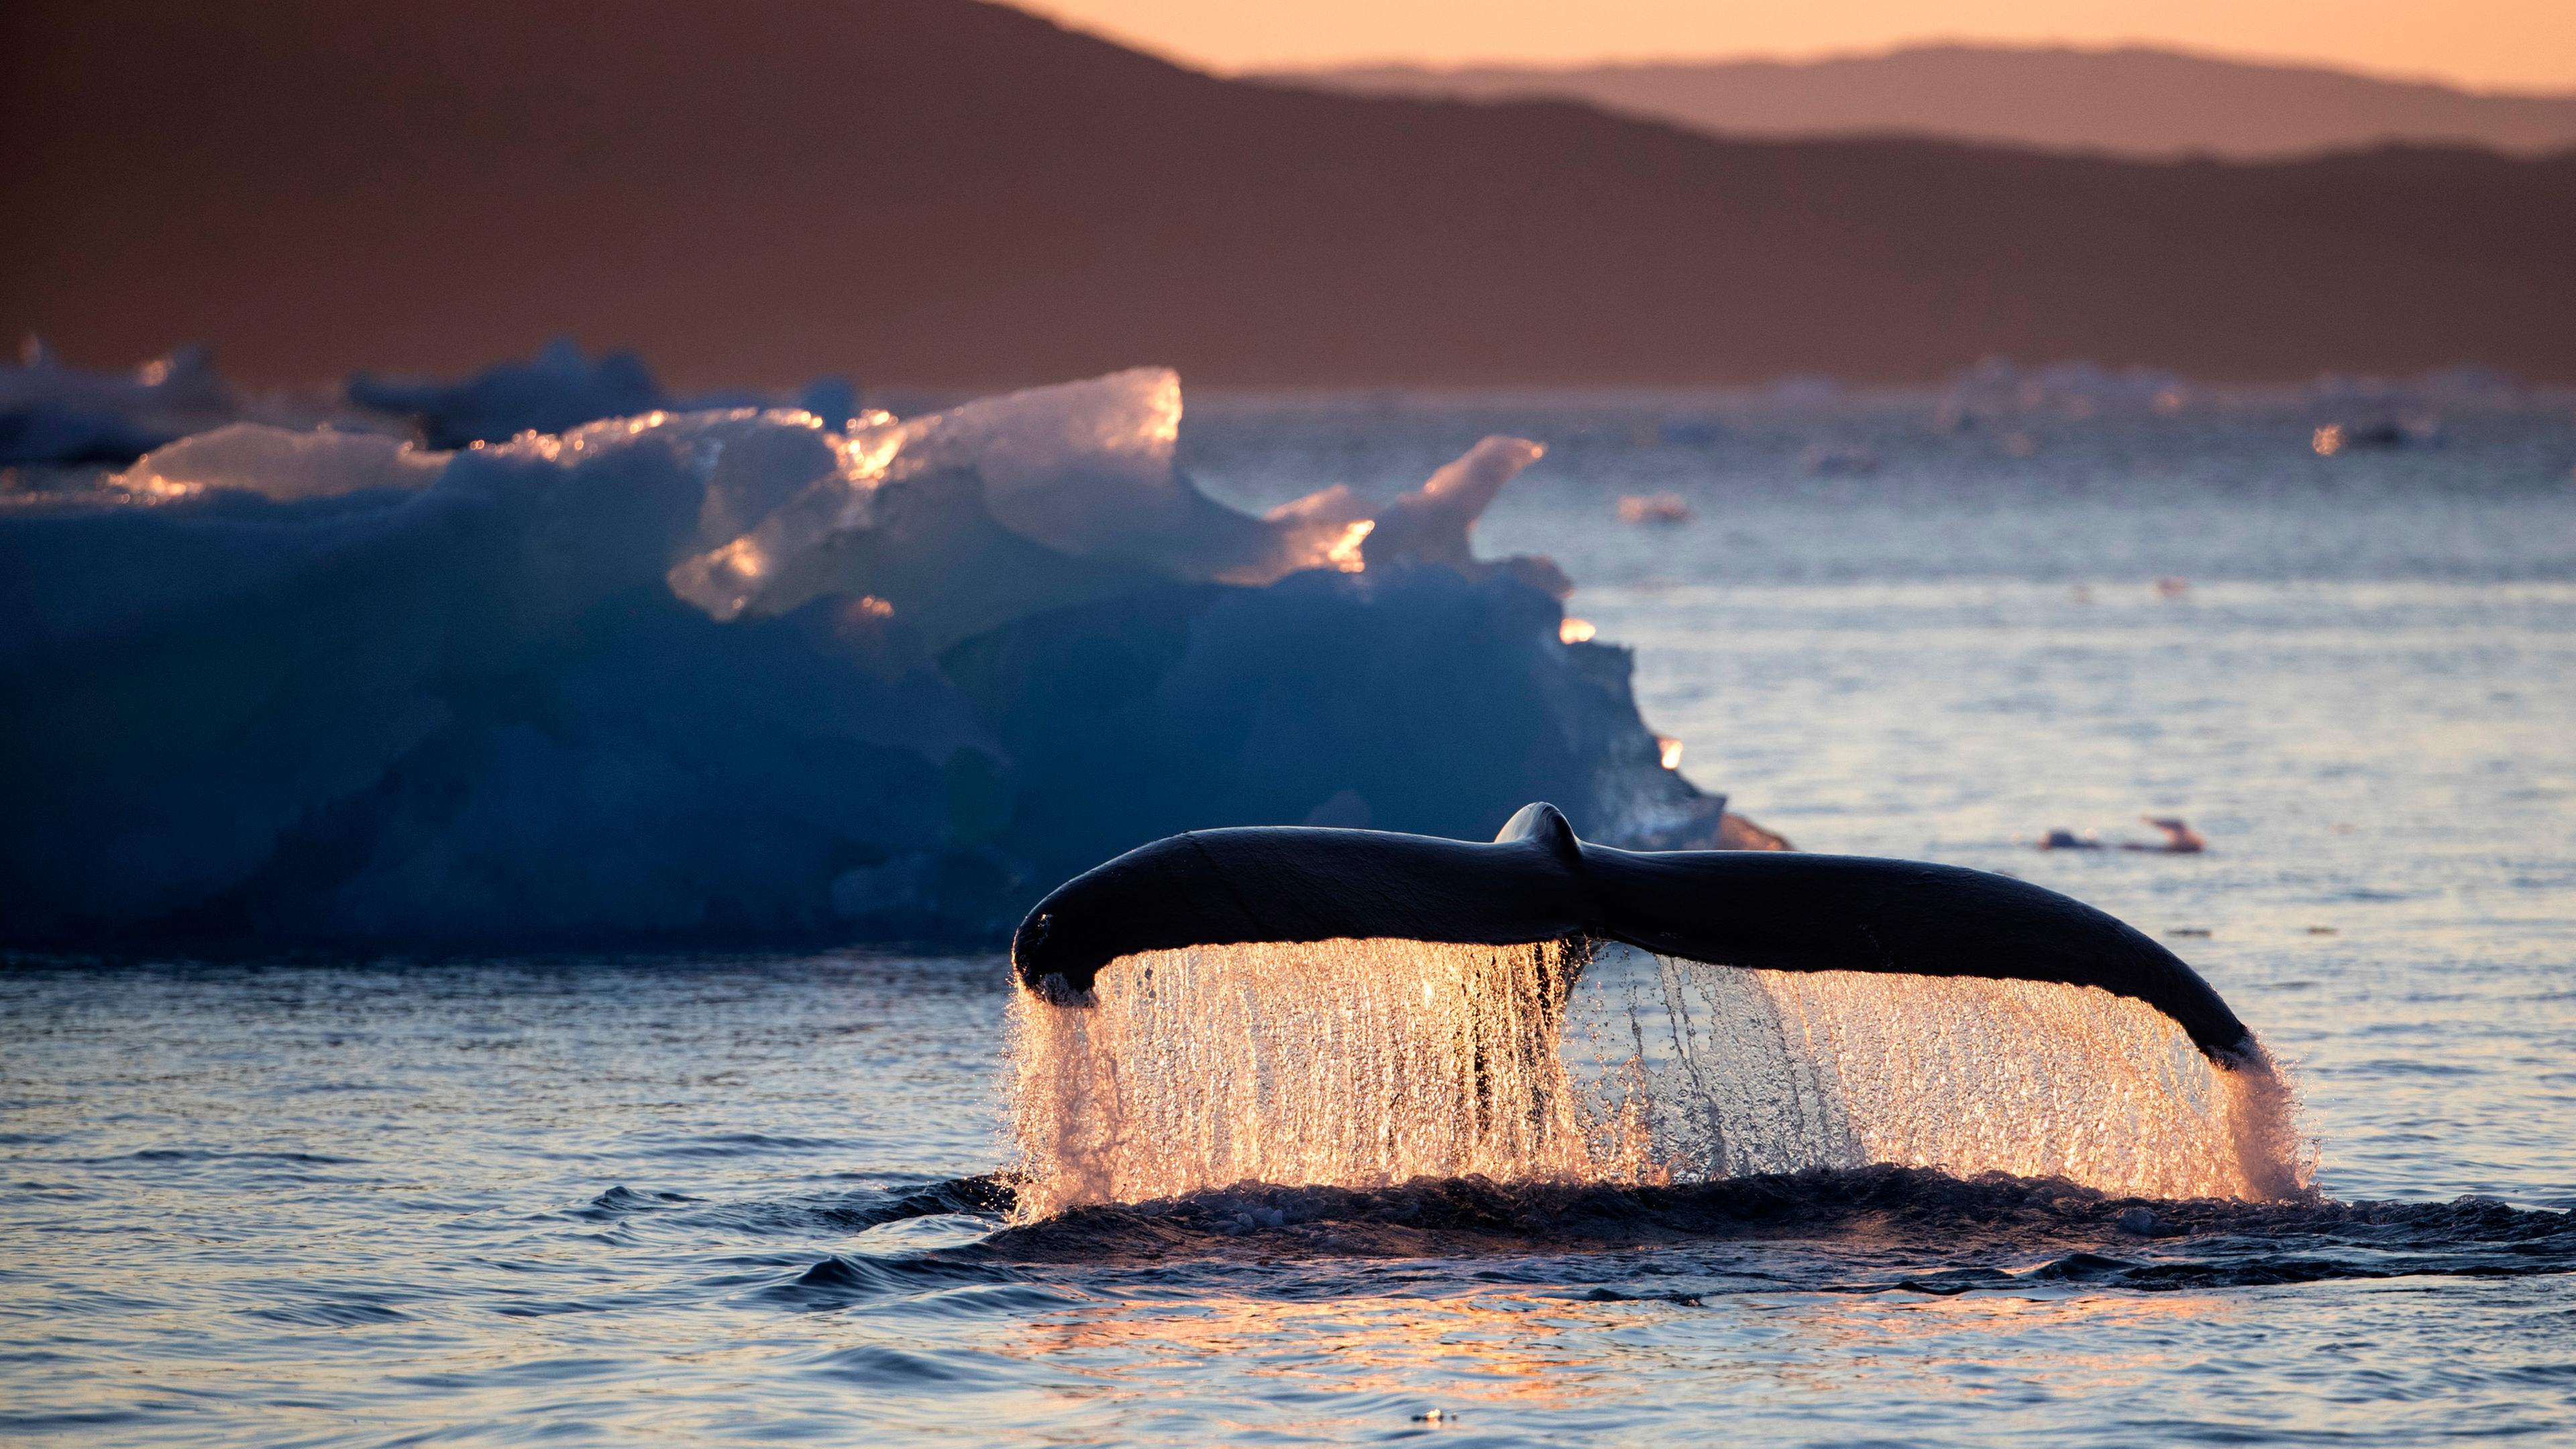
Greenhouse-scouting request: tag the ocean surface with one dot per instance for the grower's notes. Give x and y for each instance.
(728, 1201)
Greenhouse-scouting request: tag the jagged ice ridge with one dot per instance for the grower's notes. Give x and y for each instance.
(750, 675)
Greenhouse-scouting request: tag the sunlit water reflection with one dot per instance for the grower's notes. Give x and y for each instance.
(721, 1201)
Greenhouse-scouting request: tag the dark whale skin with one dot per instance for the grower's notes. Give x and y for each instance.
(1536, 882)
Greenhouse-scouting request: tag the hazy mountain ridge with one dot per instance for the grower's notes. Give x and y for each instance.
(943, 191)
(2130, 101)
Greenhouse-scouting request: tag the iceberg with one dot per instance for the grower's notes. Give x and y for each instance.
(560, 389)
(752, 675)
(51, 413)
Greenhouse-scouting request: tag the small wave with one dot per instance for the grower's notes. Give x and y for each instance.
(881, 1367)
(856, 1212)
(621, 1202)
(1876, 1213)
(33, 1424)
(332, 1314)
(738, 1144)
(839, 1282)
(217, 1154)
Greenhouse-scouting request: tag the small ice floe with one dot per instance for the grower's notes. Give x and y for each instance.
(2180, 839)
(1843, 459)
(1660, 509)
(2376, 433)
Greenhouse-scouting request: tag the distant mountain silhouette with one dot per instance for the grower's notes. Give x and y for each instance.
(941, 191)
(2152, 104)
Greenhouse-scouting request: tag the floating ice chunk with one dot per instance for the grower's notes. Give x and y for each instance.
(746, 675)
(280, 464)
(181, 380)
(50, 413)
(1661, 509)
(559, 390)
(1837, 459)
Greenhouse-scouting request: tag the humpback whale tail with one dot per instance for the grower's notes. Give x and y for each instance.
(1763, 910)
(1357, 1008)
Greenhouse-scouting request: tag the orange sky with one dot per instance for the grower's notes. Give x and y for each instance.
(2484, 44)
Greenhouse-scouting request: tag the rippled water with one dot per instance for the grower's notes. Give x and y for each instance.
(726, 1201)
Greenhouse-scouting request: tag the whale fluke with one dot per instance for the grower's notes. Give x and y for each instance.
(1537, 881)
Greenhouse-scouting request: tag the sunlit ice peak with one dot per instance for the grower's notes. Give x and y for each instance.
(874, 439)
(1571, 630)
(1431, 524)
(1481, 471)
(1346, 555)
(1082, 467)
(1670, 751)
(1126, 423)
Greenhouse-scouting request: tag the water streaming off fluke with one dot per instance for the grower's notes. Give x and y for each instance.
(1736, 1072)
(1368, 1063)
(1353, 1063)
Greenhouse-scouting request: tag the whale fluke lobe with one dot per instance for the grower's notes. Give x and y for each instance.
(1536, 882)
